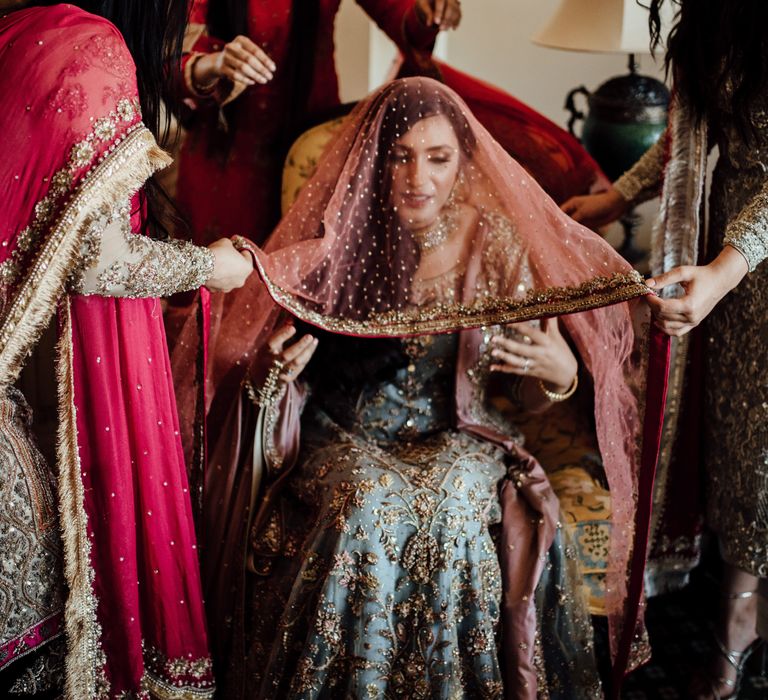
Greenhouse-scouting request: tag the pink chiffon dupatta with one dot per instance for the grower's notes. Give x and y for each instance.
(75, 146)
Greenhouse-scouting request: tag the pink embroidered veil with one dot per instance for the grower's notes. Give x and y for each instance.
(343, 259)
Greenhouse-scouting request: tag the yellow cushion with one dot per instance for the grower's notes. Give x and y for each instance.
(564, 443)
(302, 159)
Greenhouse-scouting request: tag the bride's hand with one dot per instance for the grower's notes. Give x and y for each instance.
(294, 357)
(541, 353)
(596, 210)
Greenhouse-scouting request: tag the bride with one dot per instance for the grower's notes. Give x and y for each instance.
(375, 527)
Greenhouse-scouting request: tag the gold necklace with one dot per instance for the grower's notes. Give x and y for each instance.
(439, 232)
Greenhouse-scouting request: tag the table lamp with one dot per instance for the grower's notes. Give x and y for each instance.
(628, 113)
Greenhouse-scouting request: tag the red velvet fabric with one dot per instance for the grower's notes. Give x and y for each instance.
(555, 159)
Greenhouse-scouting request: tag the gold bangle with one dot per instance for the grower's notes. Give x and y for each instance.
(195, 87)
(271, 388)
(554, 396)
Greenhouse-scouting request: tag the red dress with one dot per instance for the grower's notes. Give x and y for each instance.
(239, 191)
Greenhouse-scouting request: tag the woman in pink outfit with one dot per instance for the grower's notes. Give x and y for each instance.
(100, 587)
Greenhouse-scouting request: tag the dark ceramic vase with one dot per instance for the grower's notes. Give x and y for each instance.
(626, 117)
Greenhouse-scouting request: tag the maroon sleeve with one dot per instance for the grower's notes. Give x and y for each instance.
(196, 41)
(399, 21)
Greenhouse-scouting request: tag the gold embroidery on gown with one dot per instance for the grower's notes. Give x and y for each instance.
(389, 582)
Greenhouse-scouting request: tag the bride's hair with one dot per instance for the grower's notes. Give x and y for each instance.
(714, 43)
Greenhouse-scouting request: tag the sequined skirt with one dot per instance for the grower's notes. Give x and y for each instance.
(31, 578)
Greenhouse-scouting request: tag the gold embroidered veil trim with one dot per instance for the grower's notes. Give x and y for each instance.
(113, 181)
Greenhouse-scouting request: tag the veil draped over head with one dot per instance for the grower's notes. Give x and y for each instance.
(348, 259)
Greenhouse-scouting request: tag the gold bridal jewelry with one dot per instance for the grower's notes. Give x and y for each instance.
(440, 231)
(271, 387)
(554, 396)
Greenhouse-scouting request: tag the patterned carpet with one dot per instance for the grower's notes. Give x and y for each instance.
(679, 626)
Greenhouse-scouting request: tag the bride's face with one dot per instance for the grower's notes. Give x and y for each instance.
(425, 165)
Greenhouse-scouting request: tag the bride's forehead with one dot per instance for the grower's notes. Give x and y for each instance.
(429, 132)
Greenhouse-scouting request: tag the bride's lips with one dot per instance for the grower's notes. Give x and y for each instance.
(417, 201)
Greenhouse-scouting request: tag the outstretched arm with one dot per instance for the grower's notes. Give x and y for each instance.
(413, 24)
(641, 182)
(704, 287)
(214, 69)
(116, 262)
(746, 246)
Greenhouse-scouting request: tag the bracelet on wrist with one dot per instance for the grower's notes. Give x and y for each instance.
(270, 390)
(197, 88)
(554, 396)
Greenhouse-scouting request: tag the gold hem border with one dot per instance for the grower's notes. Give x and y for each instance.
(672, 409)
(553, 301)
(83, 664)
(160, 689)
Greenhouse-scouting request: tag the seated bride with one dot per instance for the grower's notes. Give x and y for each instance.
(374, 526)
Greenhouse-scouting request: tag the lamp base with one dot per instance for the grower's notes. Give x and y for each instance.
(628, 248)
(626, 116)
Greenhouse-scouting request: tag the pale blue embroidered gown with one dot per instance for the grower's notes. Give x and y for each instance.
(389, 586)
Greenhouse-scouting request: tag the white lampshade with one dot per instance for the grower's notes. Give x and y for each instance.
(609, 26)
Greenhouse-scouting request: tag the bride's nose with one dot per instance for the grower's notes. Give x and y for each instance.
(416, 176)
